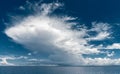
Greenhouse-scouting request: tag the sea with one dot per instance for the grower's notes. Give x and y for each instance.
(59, 70)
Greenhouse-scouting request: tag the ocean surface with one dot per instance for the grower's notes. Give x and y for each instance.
(59, 70)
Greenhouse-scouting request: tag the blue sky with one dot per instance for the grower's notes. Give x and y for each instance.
(63, 32)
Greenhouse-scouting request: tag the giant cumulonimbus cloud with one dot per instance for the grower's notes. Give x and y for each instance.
(52, 36)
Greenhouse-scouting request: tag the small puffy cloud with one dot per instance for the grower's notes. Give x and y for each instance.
(110, 54)
(113, 46)
(100, 27)
(29, 54)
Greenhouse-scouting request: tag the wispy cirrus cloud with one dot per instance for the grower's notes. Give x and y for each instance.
(102, 30)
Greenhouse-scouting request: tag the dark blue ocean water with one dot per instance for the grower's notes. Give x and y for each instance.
(59, 70)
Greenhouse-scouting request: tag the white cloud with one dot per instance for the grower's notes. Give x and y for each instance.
(102, 61)
(100, 36)
(52, 36)
(102, 30)
(113, 46)
(110, 54)
(29, 54)
(4, 61)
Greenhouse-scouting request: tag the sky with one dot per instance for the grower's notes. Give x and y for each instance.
(59, 32)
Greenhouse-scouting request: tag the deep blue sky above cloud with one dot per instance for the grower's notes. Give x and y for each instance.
(92, 39)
